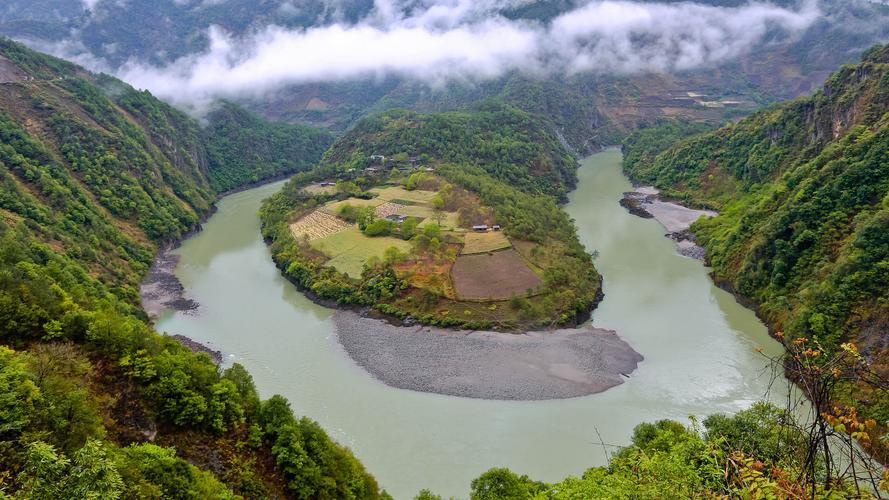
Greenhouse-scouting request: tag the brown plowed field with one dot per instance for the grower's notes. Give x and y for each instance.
(493, 276)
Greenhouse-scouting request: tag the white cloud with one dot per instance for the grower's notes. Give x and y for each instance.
(467, 40)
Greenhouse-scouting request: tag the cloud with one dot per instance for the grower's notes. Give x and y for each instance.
(445, 40)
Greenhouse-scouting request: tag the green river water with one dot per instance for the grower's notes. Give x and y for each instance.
(698, 344)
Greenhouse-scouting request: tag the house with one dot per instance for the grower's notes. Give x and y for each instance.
(398, 219)
(371, 170)
(378, 159)
(496, 227)
(480, 228)
(328, 184)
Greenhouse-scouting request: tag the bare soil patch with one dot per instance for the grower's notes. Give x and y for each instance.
(493, 276)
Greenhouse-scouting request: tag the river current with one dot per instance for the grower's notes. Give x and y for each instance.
(699, 346)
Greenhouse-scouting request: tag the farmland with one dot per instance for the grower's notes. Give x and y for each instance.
(484, 242)
(317, 225)
(493, 276)
(334, 208)
(349, 249)
(399, 193)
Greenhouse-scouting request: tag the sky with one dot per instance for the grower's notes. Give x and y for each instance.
(439, 41)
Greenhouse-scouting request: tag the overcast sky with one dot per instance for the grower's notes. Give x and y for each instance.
(446, 40)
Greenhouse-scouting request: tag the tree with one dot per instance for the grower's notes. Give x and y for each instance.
(502, 484)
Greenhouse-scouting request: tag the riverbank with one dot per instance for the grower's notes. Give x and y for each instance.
(556, 364)
(644, 201)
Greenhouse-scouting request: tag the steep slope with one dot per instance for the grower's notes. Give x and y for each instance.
(588, 109)
(93, 403)
(803, 191)
(244, 148)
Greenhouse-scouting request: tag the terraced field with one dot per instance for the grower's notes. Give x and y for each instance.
(334, 208)
(484, 242)
(317, 225)
(399, 193)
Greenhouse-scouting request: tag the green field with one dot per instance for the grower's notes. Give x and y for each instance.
(349, 249)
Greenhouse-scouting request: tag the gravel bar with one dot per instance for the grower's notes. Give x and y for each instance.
(554, 364)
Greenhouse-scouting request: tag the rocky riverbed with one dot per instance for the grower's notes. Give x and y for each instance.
(645, 202)
(554, 364)
(161, 289)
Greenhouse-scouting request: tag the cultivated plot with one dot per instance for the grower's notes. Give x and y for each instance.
(317, 225)
(484, 242)
(493, 276)
(349, 249)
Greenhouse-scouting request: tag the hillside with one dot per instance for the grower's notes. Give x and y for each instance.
(94, 176)
(243, 148)
(803, 191)
(588, 109)
(461, 209)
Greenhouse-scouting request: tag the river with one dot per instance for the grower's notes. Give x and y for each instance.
(698, 342)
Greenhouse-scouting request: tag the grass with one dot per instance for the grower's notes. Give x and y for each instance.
(399, 193)
(449, 221)
(334, 207)
(349, 249)
(484, 242)
(319, 189)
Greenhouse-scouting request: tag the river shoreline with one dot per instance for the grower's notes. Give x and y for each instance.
(533, 366)
(645, 202)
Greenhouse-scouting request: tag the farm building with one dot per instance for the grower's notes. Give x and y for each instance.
(496, 227)
(396, 218)
(481, 228)
(328, 184)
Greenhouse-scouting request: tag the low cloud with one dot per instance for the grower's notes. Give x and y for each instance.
(440, 41)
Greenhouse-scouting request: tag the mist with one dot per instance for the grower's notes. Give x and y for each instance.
(460, 40)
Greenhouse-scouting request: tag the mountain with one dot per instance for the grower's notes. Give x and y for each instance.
(243, 148)
(803, 191)
(94, 177)
(587, 109)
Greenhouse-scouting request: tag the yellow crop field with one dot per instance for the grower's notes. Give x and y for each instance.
(399, 193)
(317, 225)
(484, 242)
(334, 207)
(349, 249)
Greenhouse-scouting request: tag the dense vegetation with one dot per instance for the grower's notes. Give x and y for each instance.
(93, 402)
(803, 191)
(496, 154)
(754, 454)
(244, 149)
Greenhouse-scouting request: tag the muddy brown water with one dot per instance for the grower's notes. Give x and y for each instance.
(698, 343)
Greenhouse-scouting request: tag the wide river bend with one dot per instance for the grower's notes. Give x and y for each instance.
(698, 343)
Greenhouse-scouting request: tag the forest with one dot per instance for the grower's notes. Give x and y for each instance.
(93, 403)
(803, 192)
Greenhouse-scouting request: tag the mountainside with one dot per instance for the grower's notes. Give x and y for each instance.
(588, 109)
(244, 148)
(94, 176)
(803, 191)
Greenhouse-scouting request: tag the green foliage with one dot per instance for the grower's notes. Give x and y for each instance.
(754, 454)
(243, 148)
(495, 154)
(802, 189)
(93, 177)
(503, 484)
